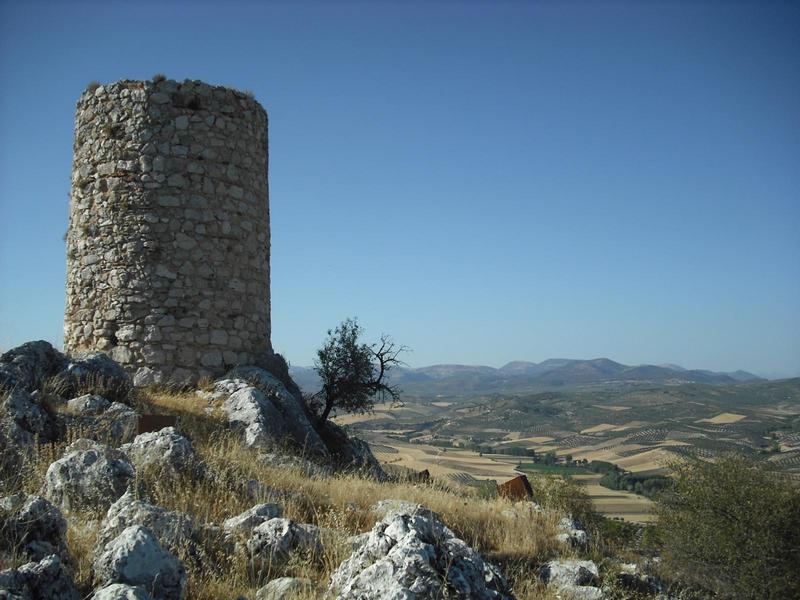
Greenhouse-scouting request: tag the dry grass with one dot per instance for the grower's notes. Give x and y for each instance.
(340, 504)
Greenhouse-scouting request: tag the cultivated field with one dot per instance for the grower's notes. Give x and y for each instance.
(640, 430)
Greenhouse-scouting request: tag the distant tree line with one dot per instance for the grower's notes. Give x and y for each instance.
(649, 486)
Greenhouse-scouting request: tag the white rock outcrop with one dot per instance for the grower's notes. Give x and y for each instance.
(33, 525)
(572, 533)
(89, 475)
(47, 579)
(245, 522)
(414, 556)
(573, 579)
(121, 591)
(267, 412)
(274, 541)
(165, 449)
(88, 404)
(173, 530)
(136, 558)
(285, 588)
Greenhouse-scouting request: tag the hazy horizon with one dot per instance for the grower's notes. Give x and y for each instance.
(483, 182)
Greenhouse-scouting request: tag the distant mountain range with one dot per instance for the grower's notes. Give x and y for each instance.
(553, 373)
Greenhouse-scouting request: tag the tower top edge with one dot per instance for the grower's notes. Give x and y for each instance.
(96, 90)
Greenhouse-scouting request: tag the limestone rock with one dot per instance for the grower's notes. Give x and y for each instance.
(89, 475)
(263, 425)
(121, 591)
(137, 559)
(285, 588)
(27, 366)
(413, 556)
(573, 579)
(88, 404)
(251, 518)
(571, 532)
(29, 416)
(118, 422)
(165, 449)
(32, 524)
(274, 541)
(47, 579)
(291, 409)
(174, 531)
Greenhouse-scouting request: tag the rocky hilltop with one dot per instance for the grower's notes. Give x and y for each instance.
(244, 494)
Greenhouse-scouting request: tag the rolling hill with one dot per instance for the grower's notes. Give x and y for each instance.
(523, 376)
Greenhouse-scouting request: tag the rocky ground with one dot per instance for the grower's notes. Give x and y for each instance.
(247, 496)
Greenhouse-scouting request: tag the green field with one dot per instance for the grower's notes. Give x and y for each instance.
(553, 469)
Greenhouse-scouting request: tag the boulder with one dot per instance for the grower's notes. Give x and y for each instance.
(291, 408)
(47, 579)
(33, 525)
(89, 475)
(16, 444)
(27, 366)
(88, 404)
(251, 518)
(286, 588)
(19, 407)
(118, 423)
(273, 542)
(262, 424)
(572, 533)
(165, 449)
(136, 558)
(94, 372)
(175, 531)
(121, 591)
(573, 579)
(416, 556)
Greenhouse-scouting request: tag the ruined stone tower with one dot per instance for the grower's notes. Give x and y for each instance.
(168, 241)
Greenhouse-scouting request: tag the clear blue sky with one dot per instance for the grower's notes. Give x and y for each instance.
(485, 181)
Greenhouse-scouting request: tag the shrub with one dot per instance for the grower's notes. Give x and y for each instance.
(732, 528)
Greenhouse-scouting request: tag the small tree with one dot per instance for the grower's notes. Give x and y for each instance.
(354, 374)
(733, 528)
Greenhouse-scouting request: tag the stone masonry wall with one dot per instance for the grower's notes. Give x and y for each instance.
(168, 241)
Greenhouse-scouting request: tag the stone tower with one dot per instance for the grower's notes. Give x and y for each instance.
(168, 242)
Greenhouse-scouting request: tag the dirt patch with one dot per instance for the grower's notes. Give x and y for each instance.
(723, 419)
